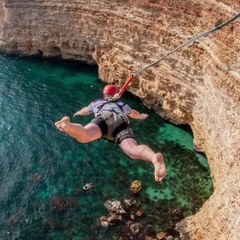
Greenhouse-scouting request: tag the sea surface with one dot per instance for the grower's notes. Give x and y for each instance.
(43, 171)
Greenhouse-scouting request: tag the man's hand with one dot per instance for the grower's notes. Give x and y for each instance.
(137, 115)
(83, 112)
(75, 114)
(144, 115)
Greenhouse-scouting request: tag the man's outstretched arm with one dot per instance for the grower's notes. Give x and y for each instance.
(135, 114)
(83, 112)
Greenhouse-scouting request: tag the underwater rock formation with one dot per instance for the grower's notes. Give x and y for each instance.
(36, 178)
(199, 85)
(60, 205)
(57, 204)
(136, 186)
(116, 211)
(132, 225)
(120, 210)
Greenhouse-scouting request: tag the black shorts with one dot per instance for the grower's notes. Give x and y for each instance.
(120, 133)
(101, 124)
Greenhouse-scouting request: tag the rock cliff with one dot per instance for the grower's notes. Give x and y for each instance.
(198, 85)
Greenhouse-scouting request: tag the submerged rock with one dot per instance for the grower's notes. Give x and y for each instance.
(133, 223)
(135, 228)
(104, 221)
(59, 204)
(161, 235)
(36, 177)
(114, 208)
(136, 186)
(52, 223)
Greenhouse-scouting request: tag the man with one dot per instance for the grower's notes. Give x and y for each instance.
(111, 123)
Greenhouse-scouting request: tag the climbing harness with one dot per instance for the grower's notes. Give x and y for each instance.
(110, 116)
(119, 94)
(113, 121)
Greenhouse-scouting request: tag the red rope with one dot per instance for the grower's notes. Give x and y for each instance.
(125, 86)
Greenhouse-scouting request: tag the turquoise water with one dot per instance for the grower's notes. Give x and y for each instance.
(37, 162)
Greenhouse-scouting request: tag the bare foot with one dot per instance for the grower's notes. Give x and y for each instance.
(159, 167)
(60, 125)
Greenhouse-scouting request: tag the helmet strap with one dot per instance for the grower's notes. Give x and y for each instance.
(109, 97)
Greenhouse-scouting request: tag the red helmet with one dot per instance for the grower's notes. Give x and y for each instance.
(110, 89)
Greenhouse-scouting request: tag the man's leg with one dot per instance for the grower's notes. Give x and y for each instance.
(143, 152)
(83, 134)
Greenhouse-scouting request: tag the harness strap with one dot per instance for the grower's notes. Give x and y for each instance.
(115, 102)
(113, 121)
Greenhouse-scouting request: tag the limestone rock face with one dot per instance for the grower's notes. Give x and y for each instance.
(198, 85)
